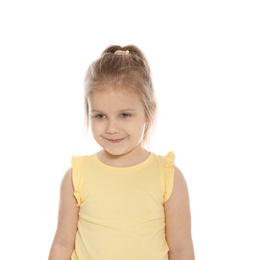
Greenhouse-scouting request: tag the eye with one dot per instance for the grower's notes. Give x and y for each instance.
(99, 116)
(125, 115)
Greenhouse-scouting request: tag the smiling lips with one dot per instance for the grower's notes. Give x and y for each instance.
(114, 140)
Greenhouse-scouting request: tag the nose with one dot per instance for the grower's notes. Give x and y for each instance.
(112, 128)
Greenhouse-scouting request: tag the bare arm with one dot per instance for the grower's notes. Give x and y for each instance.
(63, 243)
(178, 221)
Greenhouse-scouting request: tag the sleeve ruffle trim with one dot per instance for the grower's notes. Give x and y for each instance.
(76, 174)
(78, 198)
(169, 170)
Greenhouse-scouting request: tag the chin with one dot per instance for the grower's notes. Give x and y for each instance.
(116, 152)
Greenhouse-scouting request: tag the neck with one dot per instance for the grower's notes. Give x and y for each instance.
(123, 160)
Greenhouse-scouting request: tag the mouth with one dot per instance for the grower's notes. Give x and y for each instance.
(115, 141)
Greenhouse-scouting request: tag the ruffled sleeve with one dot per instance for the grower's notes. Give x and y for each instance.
(76, 177)
(169, 169)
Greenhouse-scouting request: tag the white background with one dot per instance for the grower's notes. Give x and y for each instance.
(202, 60)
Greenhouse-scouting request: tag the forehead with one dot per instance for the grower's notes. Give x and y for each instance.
(109, 98)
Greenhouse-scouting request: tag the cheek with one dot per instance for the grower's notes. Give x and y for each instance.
(138, 127)
(96, 127)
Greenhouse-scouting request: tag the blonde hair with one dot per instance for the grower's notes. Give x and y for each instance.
(122, 68)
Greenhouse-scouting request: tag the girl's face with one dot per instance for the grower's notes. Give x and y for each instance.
(118, 121)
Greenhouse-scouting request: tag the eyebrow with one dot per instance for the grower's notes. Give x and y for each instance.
(122, 110)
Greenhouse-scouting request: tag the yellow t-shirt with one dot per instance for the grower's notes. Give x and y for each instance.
(121, 213)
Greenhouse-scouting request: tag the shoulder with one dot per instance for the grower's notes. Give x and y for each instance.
(166, 160)
(179, 194)
(79, 158)
(67, 185)
(179, 179)
(78, 161)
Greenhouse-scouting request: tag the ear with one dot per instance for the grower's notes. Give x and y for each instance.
(147, 126)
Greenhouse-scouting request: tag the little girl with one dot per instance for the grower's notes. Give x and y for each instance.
(124, 202)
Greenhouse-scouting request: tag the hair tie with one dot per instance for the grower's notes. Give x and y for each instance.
(120, 52)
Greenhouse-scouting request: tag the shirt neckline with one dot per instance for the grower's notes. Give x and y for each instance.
(122, 168)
